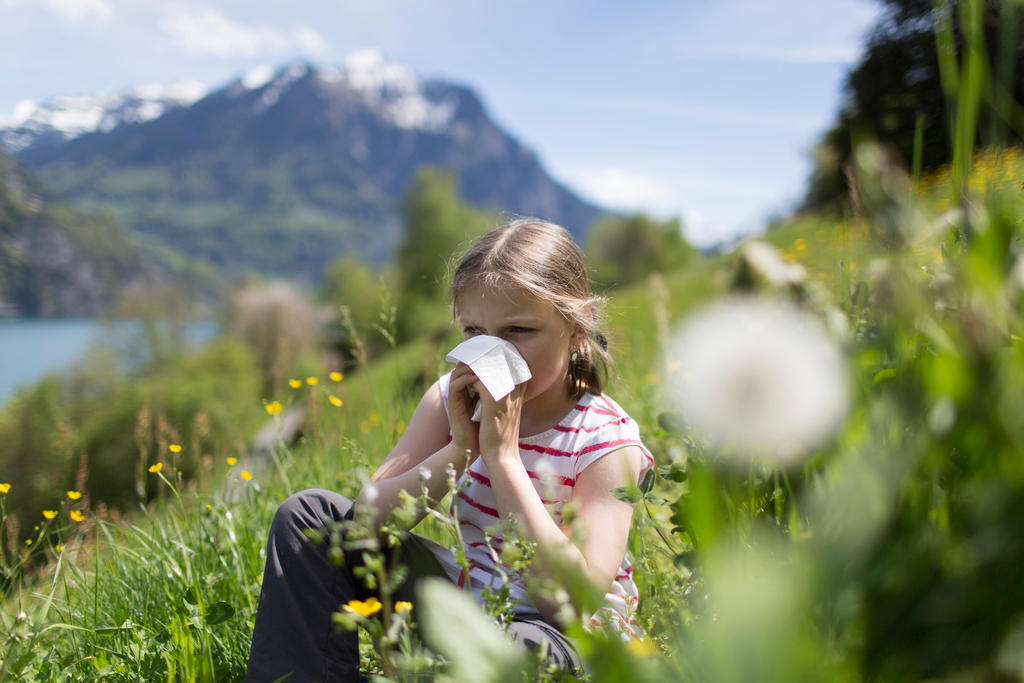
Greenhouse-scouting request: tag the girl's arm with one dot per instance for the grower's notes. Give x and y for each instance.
(423, 453)
(603, 521)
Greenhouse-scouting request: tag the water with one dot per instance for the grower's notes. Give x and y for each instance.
(31, 348)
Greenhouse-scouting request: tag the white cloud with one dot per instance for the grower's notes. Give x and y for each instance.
(618, 189)
(71, 10)
(310, 40)
(211, 32)
(77, 10)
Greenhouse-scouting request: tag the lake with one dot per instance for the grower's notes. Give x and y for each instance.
(30, 348)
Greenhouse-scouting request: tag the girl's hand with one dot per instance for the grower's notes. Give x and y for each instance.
(465, 432)
(499, 423)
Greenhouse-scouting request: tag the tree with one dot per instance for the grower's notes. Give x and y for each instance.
(350, 283)
(624, 249)
(897, 89)
(437, 226)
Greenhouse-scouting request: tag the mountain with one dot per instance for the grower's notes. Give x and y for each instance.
(55, 260)
(281, 172)
(63, 118)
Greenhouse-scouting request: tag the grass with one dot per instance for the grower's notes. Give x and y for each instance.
(892, 552)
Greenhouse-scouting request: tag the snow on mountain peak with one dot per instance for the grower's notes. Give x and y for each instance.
(257, 77)
(72, 115)
(393, 89)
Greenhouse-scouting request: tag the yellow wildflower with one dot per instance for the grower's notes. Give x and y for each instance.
(246, 475)
(335, 401)
(59, 548)
(374, 417)
(174, 448)
(641, 648)
(49, 514)
(231, 461)
(311, 381)
(74, 495)
(336, 376)
(799, 244)
(4, 488)
(273, 408)
(76, 516)
(156, 468)
(370, 606)
(295, 383)
(403, 607)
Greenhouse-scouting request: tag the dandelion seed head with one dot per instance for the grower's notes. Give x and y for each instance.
(765, 380)
(425, 474)
(370, 493)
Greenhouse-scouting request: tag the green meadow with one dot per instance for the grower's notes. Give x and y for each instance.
(838, 492)
(889, 551)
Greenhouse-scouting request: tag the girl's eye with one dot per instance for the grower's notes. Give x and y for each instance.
(520, 330)
(470, 331)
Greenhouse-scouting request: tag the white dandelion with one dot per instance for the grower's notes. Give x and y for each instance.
(761, 379)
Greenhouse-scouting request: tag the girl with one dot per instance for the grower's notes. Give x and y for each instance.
(556, 439)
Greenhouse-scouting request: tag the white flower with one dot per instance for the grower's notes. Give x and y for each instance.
(761, 379)
(764, 260)
(370, 493)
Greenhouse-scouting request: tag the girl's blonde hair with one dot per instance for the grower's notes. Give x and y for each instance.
(542, 259)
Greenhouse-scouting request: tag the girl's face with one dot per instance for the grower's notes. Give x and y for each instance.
(535, 327)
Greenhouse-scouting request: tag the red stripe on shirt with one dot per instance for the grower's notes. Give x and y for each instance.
(554, 478)
(482, 508)
(609, 405)
(589, 449)
(588, 430)
(595, 409)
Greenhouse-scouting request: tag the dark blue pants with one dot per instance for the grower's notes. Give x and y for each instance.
(294, 633)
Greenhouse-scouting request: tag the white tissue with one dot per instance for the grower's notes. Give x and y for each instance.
(495, 362)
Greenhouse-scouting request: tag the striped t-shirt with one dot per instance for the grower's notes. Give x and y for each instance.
(554, 459)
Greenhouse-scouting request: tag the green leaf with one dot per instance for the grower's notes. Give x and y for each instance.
(671, 422)
(648, 482)
(883, 375)
(627, 494)
(454, 625)
(219, 612)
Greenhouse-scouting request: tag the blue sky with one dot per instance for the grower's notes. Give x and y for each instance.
(703, 110)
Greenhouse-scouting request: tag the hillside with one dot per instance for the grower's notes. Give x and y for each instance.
(281, 172)
(55, 260)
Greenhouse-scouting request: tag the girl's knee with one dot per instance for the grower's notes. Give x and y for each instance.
(311, 509)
